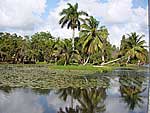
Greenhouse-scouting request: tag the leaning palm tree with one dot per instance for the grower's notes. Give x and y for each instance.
(72, 17)
(134, 47)
(92, 37)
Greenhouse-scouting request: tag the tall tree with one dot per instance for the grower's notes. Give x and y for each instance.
(92, 36)
(72, 17)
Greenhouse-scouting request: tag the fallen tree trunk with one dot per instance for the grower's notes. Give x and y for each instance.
(112, 61)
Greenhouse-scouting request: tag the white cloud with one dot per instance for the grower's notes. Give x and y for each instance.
(119, 16)
(117, 11)
(21, 14)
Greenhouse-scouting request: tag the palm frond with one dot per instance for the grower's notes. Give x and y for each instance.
(83, 13)
(62, 19)
(69, 24)
(70, 5)
(64, 22)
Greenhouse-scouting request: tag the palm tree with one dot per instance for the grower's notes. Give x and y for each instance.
(72, 17)
(133, 47)
(65, 52)
(92, 36)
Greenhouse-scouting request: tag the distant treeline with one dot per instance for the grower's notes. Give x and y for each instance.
(43, 47)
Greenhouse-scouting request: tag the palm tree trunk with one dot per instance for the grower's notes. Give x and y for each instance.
(86, 60)
(128, 60)
(112, 61)
(103, 58)
(65, 63)
(73, 34)
(71, 102)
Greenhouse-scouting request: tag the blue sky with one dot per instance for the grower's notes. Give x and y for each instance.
(30, 16)
(141, 3)
(51, 4)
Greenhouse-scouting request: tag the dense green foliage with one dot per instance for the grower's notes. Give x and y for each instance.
(132, 46)
(42, 47)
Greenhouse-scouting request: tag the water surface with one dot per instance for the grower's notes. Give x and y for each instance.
(125, 92)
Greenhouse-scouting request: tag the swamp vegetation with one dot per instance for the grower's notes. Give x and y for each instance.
(47, 76)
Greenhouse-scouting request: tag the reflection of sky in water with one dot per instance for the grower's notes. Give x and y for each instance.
(116, 105)
(51, 103)
(27, 101)
(114, 91)
(19, 101)
(114, 88)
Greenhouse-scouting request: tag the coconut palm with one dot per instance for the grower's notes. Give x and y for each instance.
(72, 17)
(93, 37)
(133, 47)
(65, 53)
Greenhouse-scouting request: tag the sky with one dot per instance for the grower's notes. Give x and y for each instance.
(26, 17)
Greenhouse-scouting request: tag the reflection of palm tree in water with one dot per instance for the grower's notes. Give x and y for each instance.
(91, 100)
(69, 110)
(74, 93)
(131, 89)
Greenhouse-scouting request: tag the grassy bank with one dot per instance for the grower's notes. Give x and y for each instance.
(48, 76)
(88, 68)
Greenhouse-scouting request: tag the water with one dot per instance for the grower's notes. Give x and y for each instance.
(126, 92)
